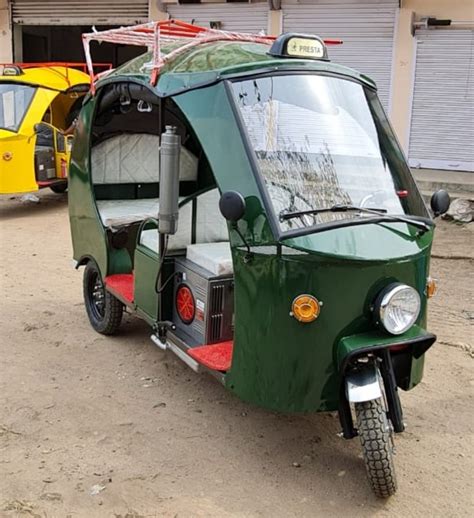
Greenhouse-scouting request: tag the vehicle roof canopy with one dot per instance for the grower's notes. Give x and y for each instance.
(58, 78)
(210, 62)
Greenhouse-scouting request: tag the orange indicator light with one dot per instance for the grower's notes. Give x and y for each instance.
(431, 287)
(305, 308)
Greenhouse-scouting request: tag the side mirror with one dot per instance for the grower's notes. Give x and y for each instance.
(232, 206)
(440, 202)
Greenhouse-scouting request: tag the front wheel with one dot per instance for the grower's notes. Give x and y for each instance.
(59, 188)
(375, 437)
(103, 309)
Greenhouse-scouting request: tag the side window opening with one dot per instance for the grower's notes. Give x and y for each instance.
(125, 170)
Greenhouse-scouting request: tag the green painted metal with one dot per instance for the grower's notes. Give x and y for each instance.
(88, 235)
(213, 61)
(285, 365)
(146, 270)
(352, 344)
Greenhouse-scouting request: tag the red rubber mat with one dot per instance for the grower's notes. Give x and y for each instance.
(217, 357)
(121, 285)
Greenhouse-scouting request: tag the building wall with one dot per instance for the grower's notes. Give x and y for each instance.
(156, 10)
(404, 60)
(6, 37)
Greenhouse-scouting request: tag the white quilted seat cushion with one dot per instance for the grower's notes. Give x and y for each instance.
(214, 257)
(135, 158)
(115, 213)
(210, 225)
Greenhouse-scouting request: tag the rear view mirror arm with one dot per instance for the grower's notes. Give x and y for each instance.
(248, 256)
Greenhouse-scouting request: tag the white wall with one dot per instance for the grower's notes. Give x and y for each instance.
(6, 50)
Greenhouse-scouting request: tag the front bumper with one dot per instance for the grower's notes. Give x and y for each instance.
(416, 341)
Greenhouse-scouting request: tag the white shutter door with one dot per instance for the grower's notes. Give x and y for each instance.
(79, 12)
(366, 27)
(442, 121)
(245, 17)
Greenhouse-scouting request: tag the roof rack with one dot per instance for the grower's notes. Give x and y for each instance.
(152, 35)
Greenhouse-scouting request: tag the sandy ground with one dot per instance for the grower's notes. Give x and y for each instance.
(83, 414)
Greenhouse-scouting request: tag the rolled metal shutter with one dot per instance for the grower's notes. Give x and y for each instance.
(79, 12)
(442, 121)
(367, 28)
(245, 17)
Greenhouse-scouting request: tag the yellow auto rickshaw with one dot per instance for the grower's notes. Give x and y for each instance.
(38, 105)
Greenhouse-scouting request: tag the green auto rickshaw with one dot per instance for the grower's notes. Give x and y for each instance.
(249, 200)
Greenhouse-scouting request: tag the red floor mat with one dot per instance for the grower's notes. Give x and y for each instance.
(217, 357)
(121, 284)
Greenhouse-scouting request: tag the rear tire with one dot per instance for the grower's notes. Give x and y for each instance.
(375, 437)
(103, 309)
(59, 188)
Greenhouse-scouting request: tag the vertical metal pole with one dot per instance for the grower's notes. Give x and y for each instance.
(393, 399)
(170, 148)
(161, 237)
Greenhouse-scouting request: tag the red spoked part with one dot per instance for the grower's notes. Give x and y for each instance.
(185, 304)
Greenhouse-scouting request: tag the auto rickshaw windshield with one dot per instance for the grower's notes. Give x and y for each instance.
(14, 102)
(322, 141)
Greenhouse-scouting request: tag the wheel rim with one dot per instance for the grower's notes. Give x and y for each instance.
(97, 296)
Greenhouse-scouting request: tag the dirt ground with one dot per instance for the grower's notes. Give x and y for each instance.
(95, 426)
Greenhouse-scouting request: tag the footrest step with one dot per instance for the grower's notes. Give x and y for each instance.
(121, 285)
(217, 357)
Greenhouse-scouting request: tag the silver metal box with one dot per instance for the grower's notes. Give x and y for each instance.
(213, 299)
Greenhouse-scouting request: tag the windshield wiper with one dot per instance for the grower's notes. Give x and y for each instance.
(285, 216)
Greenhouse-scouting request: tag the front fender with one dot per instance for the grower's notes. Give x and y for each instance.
(363, 384)
(407, 352)
(416, 339)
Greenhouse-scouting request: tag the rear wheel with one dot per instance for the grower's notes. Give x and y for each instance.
(59, 188)
(103, 309)
(375, 437)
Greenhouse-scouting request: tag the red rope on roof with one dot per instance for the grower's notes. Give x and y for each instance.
(152, 35)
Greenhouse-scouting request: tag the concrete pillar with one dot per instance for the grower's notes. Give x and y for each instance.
(157, 10)
(17, 43)
(275, 22)
(403, 76)
(6, 38)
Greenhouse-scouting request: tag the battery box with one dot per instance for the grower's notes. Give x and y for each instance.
(203, 308)
(44, 164)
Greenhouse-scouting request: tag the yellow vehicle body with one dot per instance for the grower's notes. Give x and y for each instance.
(46, 95)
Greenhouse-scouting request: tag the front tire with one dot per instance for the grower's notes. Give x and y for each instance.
(375, 437)
(103, 309)
(59, 188)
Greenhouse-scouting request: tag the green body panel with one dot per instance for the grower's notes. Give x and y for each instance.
(88, 236)
(285, 365)
(351, 344)
(146, 270)
(209, 62)
(380, 242)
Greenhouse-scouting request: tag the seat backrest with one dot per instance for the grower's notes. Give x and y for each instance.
(134, 158)
(211, 227)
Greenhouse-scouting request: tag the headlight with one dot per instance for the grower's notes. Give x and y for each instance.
(397, 308)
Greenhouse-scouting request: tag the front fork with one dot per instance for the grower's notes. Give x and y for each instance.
(361, 383)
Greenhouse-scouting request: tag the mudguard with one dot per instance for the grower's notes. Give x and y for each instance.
(363, 384)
